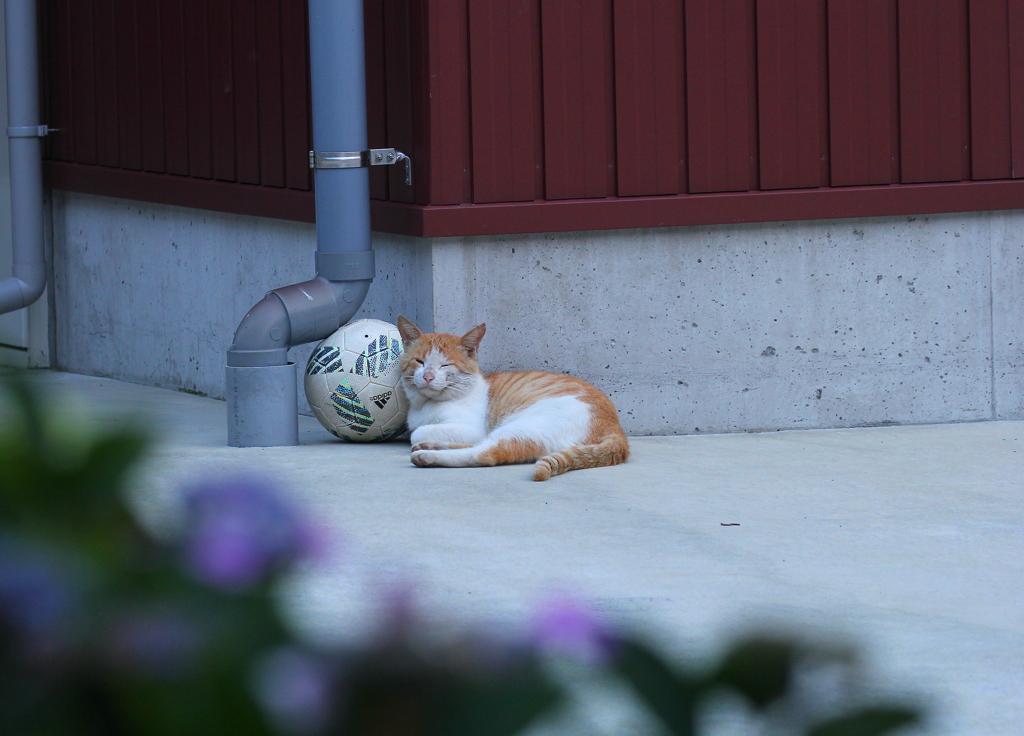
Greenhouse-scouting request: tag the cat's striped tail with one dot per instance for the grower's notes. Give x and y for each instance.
(612, 450)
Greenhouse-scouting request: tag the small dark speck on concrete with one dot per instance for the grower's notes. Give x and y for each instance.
(729, 524)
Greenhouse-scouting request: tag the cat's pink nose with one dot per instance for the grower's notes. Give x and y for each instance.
(429, 375)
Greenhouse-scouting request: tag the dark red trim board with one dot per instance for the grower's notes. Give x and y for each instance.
(553, 216)
(696, 209)
(182, 191)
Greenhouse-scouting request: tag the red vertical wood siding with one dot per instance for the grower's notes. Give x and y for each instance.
(863, 102)
(207, 89)
(129, 110)
(107, 153)
(578, 98)
(517, 102)
(297, 129)
(58, 103)
(270, 94)
(376, 105)
(721, 83)
(420, 104)
(934, 90)
(151, 99)
(650, 114)
(503, 46)
(197, 74)
(398, 62)
(991, 146)
(222, 90)
(792, 93)
(1015, 22)
(445, 170)
(246, 90)
(172, 55)
(83, 88)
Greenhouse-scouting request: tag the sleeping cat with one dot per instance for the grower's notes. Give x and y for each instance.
(459, 418)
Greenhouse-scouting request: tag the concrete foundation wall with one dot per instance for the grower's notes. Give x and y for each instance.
(728, 328)
(153, 294)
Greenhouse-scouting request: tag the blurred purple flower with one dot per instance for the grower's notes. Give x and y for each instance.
(36, 598)
(239, 530)
(158, 643)
(295, 689)
(564, 625)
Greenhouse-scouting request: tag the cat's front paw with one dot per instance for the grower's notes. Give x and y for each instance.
(438, 446)
(423, 458)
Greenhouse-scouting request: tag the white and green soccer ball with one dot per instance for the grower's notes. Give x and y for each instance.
(353, 382)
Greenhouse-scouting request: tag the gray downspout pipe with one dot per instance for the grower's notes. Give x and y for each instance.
(261, 383)
(25, 143)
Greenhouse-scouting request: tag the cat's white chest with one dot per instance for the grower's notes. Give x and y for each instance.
(468, 413)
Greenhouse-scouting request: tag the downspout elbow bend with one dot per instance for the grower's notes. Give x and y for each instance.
(294, 315)
(23, 288)
(263, 336)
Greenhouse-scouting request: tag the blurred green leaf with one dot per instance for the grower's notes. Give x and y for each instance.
(867, 722)
(759, 669)
(398, 704)
(44, 474)
(669, 694)
(105, 469)
(24, 397)
(62, 484)
(503, 705)
(216, 701)
(396, 691)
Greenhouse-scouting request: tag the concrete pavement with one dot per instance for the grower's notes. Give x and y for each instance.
(908, 541)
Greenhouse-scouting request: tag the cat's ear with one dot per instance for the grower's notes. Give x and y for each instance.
(410, 333)
(471, 340)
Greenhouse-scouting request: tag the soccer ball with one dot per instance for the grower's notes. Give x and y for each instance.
(352, 382)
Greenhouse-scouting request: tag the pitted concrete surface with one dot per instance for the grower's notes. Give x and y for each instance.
(908, 541)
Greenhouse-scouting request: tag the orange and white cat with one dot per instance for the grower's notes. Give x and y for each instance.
(459, 418)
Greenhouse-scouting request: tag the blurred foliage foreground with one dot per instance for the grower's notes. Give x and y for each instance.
(105, 630)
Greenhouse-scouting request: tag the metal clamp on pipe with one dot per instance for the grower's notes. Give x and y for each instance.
(29, 131)
(360, 159)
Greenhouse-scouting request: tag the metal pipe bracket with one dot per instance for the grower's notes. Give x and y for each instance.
(360, 159)
(29, 131)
